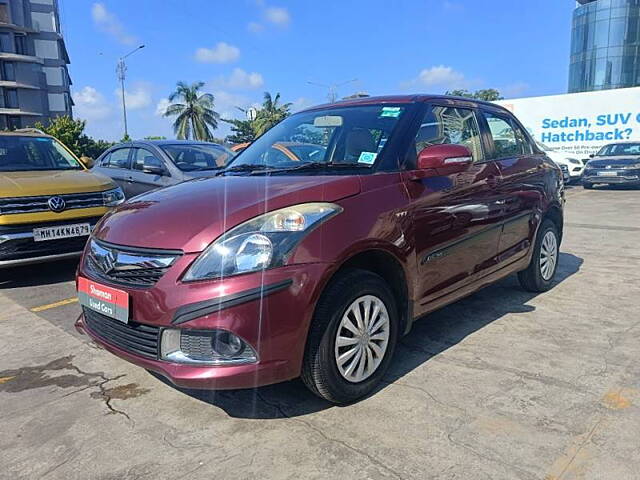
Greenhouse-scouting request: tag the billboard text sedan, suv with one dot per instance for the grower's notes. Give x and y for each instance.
(316, 268)
(145, 165)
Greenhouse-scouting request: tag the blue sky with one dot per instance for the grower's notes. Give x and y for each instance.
(241, 48)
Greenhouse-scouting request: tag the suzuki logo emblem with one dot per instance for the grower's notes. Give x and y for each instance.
(108, 261)
(56, 204)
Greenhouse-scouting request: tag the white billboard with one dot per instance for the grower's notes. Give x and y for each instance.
(580, 123)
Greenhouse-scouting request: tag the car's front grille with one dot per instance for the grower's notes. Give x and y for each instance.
(16, 241)
(131, 337)
(128, 266)
(40, 203)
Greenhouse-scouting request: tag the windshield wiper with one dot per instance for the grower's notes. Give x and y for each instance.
(245, 167)
(318, 166)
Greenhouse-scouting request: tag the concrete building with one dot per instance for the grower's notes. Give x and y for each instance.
(605, 45)
(34, 80)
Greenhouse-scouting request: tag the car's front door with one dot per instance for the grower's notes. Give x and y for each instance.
(141, 181)
(523, 171)
(455, 218)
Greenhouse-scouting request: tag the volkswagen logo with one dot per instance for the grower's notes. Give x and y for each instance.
(56, 204)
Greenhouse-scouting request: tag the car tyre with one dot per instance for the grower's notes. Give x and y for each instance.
(538, 276)
(334, 312)
(587, 185)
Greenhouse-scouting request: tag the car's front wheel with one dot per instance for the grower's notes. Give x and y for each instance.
(587, 185)
(352, 337)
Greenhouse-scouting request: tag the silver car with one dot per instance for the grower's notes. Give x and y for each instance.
(144, 165)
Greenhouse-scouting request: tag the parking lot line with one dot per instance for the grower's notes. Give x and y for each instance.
(66, 301)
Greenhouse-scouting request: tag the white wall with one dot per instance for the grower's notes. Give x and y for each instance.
(580, 123)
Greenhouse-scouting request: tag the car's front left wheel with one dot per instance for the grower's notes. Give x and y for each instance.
(352, 337)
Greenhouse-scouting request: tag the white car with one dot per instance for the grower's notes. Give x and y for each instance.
(574, 166)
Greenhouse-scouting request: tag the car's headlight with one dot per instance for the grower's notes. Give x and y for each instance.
(633, 166)
(575, 161)
(114, 197)
(260, 243)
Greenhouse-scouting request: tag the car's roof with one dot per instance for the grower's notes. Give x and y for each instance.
(399, 99)
(25, 132)
(173, 142)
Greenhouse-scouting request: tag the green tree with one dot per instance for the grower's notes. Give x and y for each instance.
(487, 94)
(242, 130)
(271, 113)
(194, 112)
(71, 133)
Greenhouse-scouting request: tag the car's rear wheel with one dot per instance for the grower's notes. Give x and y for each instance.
(352, 337)
(587, 185)
(538, 277)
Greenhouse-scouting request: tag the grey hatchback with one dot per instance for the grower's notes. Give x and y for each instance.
(144, 165)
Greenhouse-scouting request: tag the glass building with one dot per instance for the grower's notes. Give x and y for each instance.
(605, 45)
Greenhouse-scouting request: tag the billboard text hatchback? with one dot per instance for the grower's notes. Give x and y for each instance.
(279, 268)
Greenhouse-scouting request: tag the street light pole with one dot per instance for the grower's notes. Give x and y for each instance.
(332, 90)
(121, 70)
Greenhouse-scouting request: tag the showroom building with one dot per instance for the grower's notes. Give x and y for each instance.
(605, 45)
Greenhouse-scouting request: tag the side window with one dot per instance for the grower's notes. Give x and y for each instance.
(117, 159)
(140, 155)
(448, 125)
(508, 139)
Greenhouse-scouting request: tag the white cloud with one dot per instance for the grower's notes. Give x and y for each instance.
(90, 104)
(138, 97)
(278, 16)
(440, 76)
(110, 24)
(515, 89)
(239, 79)
(161, 107)
(221, 53)
(227, 103)
(255, 27)
(301, 103)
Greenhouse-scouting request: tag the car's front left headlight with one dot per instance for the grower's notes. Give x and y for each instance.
(260, 243)
(113, 197)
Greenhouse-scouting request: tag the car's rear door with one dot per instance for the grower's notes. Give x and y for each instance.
(455, 218)
(523, 172)
(141, 181)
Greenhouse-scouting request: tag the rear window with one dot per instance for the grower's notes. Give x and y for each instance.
(19, 154)
(189, 158)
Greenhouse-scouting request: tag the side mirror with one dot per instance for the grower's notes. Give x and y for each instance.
(437, 160)
(86, 161)
(153, 166)
(592, 155)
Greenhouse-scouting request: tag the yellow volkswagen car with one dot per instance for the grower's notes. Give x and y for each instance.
(49, 201)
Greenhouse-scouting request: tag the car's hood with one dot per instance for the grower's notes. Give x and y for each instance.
(604, 161)
(51, 182)
(190, 215)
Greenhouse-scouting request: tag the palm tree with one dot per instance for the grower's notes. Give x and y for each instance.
(270, 113)
(194, 112)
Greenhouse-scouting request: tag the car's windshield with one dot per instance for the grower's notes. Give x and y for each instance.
(340, 136)
(198, 156)
(19, 154)
(618, 149)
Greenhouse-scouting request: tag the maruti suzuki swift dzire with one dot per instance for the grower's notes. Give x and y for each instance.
(313, 264)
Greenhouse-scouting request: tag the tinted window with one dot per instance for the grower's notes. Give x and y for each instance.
(616, 149)
(34, 153)
(189, 158)
(140, 156)
(446, 125)
(117, 159)
(508, 139)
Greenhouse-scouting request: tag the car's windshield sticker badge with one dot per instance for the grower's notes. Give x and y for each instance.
(393, 112)
(367, 157)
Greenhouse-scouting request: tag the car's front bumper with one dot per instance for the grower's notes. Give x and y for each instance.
(622, 176)
(273, 323)
(18, 247)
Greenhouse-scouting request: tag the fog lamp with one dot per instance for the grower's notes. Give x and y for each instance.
(205, 347)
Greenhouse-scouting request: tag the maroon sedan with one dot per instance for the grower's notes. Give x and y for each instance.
(279, 268)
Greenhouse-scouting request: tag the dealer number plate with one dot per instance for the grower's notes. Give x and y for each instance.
(61, 231)
(108, 301)
(607, 174)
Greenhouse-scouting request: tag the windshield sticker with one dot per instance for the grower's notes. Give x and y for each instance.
(367, 158)
(391, 112)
